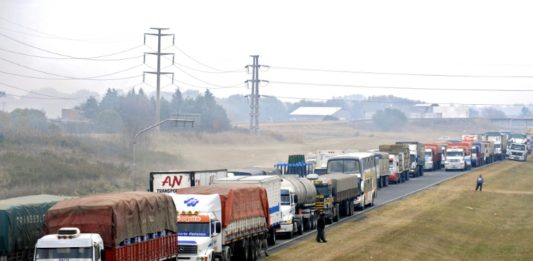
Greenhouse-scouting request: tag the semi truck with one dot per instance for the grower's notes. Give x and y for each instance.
(272, 184)
(298, 196)
(500, 144)
(336, 194)
(21, 224)
(396, 168)
(433, 155)
(171, 181)
(489, 151)
(478, 150)
(518, 151)
(222, 221)
(458, 156)
(416, 151)
(402, 156)
(114, 226)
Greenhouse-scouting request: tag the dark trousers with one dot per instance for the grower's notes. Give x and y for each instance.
(479, 186)
(320, 235)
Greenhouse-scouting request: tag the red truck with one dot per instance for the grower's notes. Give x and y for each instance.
(223, 221)
(433, 155)
(127, 226)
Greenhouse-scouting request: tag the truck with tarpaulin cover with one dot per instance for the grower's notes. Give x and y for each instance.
(336, 194)
(500, 144)
(136, 226)
(272, 184)
(21, 224)
(401, 160)
(418, 160)
(170, 181)
(222, 221)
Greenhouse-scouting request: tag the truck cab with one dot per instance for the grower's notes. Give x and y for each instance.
(288, 211)
(199, 231)
(325, 199)
(428, 154)
(70, 244)
(518, 152)
(455, 159)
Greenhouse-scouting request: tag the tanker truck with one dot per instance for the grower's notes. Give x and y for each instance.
(298, 197)
(336, 194)
(272, 185)
(114, 226)
(222, 221)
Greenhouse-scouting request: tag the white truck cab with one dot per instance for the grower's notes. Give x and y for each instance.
(455, 159)
(70, 244)
(199, 226)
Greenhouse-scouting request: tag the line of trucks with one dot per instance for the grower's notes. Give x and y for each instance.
(226, 215)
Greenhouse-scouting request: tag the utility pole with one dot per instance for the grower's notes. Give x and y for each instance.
(158, 73)
(254, 97)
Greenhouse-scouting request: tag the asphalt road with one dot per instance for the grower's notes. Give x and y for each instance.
(388, 194)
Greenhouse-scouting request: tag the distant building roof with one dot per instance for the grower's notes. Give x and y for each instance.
(315, 111)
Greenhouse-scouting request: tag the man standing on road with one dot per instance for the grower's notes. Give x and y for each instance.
(320, 228)
(479, 183)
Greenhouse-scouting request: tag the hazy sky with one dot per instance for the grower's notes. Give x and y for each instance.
(477, 38)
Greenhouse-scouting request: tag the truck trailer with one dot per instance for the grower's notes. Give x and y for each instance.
(125, 226)
(21, 224)
(272, 184)
(222, 221)
(500, 144)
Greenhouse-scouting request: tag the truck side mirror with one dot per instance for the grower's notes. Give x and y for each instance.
(295, 199)
(218, 227)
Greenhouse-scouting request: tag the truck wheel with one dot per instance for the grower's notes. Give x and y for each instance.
(226, 255)
(253, 249)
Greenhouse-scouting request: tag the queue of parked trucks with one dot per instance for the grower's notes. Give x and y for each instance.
(230, 214)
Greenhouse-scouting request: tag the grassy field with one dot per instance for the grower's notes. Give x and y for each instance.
(448, 222)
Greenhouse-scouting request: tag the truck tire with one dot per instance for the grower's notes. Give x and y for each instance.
(336, 215)
(227, 254)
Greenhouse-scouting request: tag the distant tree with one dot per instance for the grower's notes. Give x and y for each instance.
(389, 119)
(492, 113)
(525, 112)
(272, 110)
(90, 108)
(176, 102)
(111, 100)
(212, 116)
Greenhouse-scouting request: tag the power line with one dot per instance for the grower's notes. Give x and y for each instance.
(49, 35)
(198, 79)
(70, 79)
(67, 76)
(39, 93)
(67, 58)
(70, 56)
(397, 87)
(205, 65)
(402, 74)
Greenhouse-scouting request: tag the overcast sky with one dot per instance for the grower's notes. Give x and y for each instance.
(477, 38)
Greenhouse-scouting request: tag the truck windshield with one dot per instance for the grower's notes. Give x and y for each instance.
(285, 197)
(518, 147)
(343, 166)
(190, 229)
(428, 154)
(454, 154)
(64, 253)
(322, 190)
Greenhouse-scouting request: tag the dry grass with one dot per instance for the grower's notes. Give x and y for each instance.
(448, 222)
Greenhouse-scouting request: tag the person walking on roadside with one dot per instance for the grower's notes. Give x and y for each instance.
(320, 228)
(479, 183)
